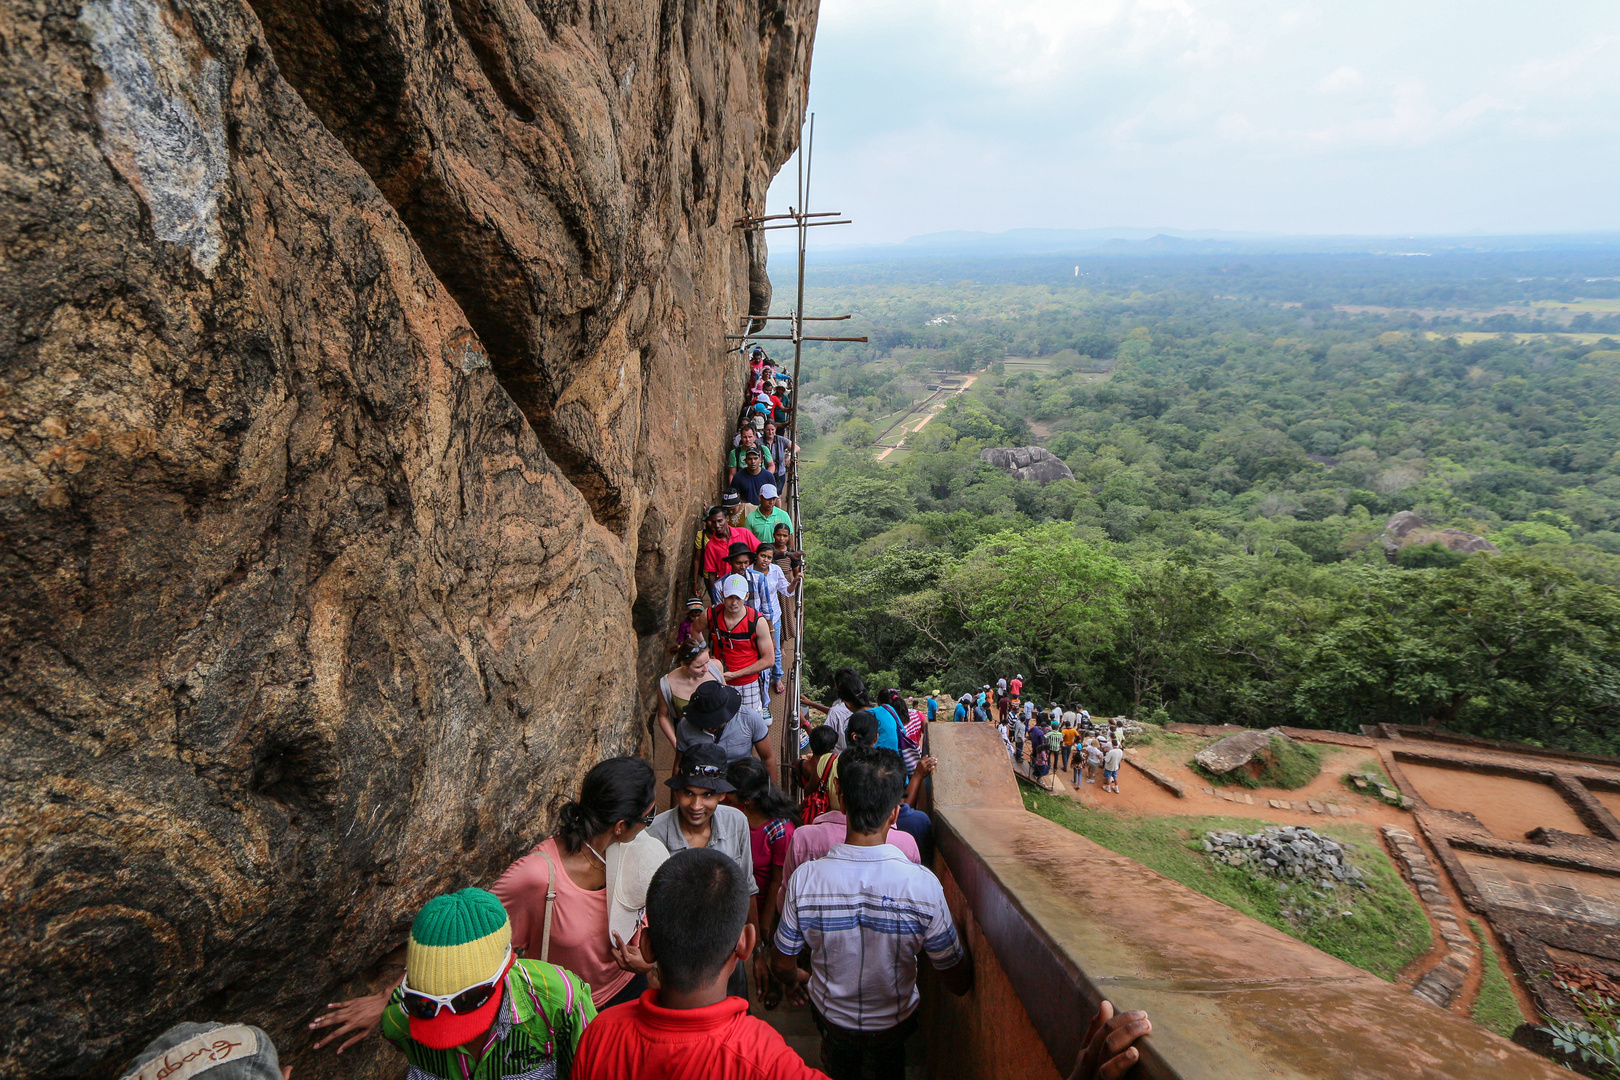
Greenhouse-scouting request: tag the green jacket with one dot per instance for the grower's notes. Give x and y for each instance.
(541, 1018)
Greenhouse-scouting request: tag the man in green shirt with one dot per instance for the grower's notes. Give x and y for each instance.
(762, 522)
(738, 458)
(468, 1008)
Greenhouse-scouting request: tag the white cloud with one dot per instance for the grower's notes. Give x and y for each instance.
(1283, 114)
(1339, 80)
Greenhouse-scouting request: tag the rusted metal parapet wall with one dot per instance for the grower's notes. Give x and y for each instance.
(1071, 923)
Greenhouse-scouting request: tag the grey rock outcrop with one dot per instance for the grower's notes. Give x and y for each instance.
(1407, 529)
(1028, 463)
(1235, 751)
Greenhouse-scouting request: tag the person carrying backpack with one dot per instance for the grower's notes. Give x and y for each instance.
(742, 641)
(818, 771)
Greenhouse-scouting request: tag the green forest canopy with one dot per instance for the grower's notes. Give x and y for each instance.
(1218, 556)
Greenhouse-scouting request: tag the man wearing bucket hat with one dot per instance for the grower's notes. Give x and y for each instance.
(699, 821)
(469, 1008)
(715, 715)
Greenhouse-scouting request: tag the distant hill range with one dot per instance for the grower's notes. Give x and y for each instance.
(1133, 241)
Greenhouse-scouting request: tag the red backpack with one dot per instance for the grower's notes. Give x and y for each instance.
(818, 801)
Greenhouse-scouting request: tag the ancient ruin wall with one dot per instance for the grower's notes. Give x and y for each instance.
(362, 376)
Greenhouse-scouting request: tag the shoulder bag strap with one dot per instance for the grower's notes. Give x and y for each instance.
(551, 898)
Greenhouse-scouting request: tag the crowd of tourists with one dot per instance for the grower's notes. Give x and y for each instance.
(631, 942)
(1059, 740)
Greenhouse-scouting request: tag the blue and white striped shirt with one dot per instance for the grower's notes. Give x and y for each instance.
(866, 914)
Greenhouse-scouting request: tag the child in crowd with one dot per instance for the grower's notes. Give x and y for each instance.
(818, 772)
(696, 623)
(698, 933)
(1040, 761)
(469, 1007)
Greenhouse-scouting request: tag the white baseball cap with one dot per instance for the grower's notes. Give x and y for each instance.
(767, 491)
(630, 868)
(734, 585)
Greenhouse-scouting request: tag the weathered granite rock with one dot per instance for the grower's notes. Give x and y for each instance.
(1235, 751)
(1406, 529)
(362, 373)
(1028, 463)
(1402, 523)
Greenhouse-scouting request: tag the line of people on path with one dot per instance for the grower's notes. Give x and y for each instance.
(747, 570)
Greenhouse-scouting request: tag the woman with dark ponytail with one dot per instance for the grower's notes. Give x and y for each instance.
(597, 862)
(850, 691)
(596, 833)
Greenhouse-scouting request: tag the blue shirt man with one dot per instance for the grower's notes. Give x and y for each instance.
(933, 707)
(961, 711)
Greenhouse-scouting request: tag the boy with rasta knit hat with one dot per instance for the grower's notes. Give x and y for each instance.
(468, 1009)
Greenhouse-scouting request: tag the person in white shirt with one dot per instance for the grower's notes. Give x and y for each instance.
(1110, 765)
(866, 915)
(850, 689)
(770, 595)
(1057, 716)
(1094, 760)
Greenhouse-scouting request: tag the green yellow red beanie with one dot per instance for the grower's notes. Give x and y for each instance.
(457, 941)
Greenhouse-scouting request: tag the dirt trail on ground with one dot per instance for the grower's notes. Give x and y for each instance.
(1140, 795)
(932, 412)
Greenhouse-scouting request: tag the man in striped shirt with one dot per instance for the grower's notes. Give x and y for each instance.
(866, 914)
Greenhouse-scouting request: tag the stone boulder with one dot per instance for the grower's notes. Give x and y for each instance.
(1028, 463)
(361, 366)
(1407, 529)
(1235, 751)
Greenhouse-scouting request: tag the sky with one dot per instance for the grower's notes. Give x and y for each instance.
(1372, 116)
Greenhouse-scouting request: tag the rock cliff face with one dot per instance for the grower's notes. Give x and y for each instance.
(363, 373)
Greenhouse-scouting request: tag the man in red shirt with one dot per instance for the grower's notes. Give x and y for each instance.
(741, 639)
(714, 558)
(688, 1029)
